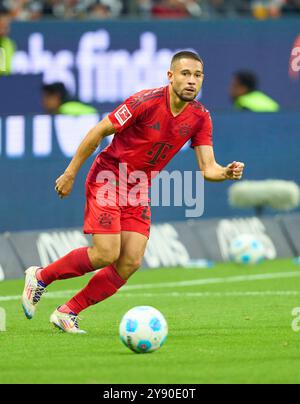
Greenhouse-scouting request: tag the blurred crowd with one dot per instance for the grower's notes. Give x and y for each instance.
(102, 9)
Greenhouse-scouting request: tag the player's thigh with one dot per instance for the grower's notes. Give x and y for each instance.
(102, 216)
(136, 219)
(133, 246)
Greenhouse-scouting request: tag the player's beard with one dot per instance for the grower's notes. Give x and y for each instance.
(183, 97)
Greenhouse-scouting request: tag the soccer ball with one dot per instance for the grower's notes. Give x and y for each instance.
(246, 249)
(143, 329)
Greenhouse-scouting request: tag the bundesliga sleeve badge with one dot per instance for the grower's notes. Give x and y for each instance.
(123, 114)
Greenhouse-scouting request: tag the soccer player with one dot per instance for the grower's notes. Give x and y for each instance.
(150, 128)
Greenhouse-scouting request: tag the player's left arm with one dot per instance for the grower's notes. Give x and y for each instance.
(212, 171)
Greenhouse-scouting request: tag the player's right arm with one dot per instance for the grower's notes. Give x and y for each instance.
(116, 122)
(88, 146)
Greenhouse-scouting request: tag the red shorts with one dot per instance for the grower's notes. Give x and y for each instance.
(115, 218)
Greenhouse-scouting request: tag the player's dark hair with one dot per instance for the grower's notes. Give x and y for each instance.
(56, 88)
(186, 55)
(247, 79)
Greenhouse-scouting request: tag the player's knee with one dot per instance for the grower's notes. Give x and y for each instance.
(127, 265)
(133, 263)
(127, 271)
(109, 256)
(105, 256)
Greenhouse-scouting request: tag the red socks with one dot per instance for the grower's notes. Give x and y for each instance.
(76, 263)
(103, 284)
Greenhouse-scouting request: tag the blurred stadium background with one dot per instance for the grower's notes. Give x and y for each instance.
(103, 51)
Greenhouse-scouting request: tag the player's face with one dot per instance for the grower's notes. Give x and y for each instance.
(186, 79)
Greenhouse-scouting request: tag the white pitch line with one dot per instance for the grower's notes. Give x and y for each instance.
(67, 293)
(215, 294)
(164, 285)
(209, 281)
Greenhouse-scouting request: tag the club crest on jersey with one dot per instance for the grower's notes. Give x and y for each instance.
(184, 130)
(105, 220)
(123, 114)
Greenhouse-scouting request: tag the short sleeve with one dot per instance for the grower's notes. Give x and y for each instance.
(203, 137)
(126, 114)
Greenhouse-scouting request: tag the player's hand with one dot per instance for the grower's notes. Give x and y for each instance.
(234, 171)
(64, 185)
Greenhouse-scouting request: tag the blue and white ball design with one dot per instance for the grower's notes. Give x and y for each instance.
(247, 249)
(143, 329)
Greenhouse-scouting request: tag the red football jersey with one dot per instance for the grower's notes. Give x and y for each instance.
(147, 135)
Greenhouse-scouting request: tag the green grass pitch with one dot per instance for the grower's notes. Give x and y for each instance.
(228, 324)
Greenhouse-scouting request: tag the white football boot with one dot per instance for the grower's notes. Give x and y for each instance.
(66, 322)
(32, 293)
